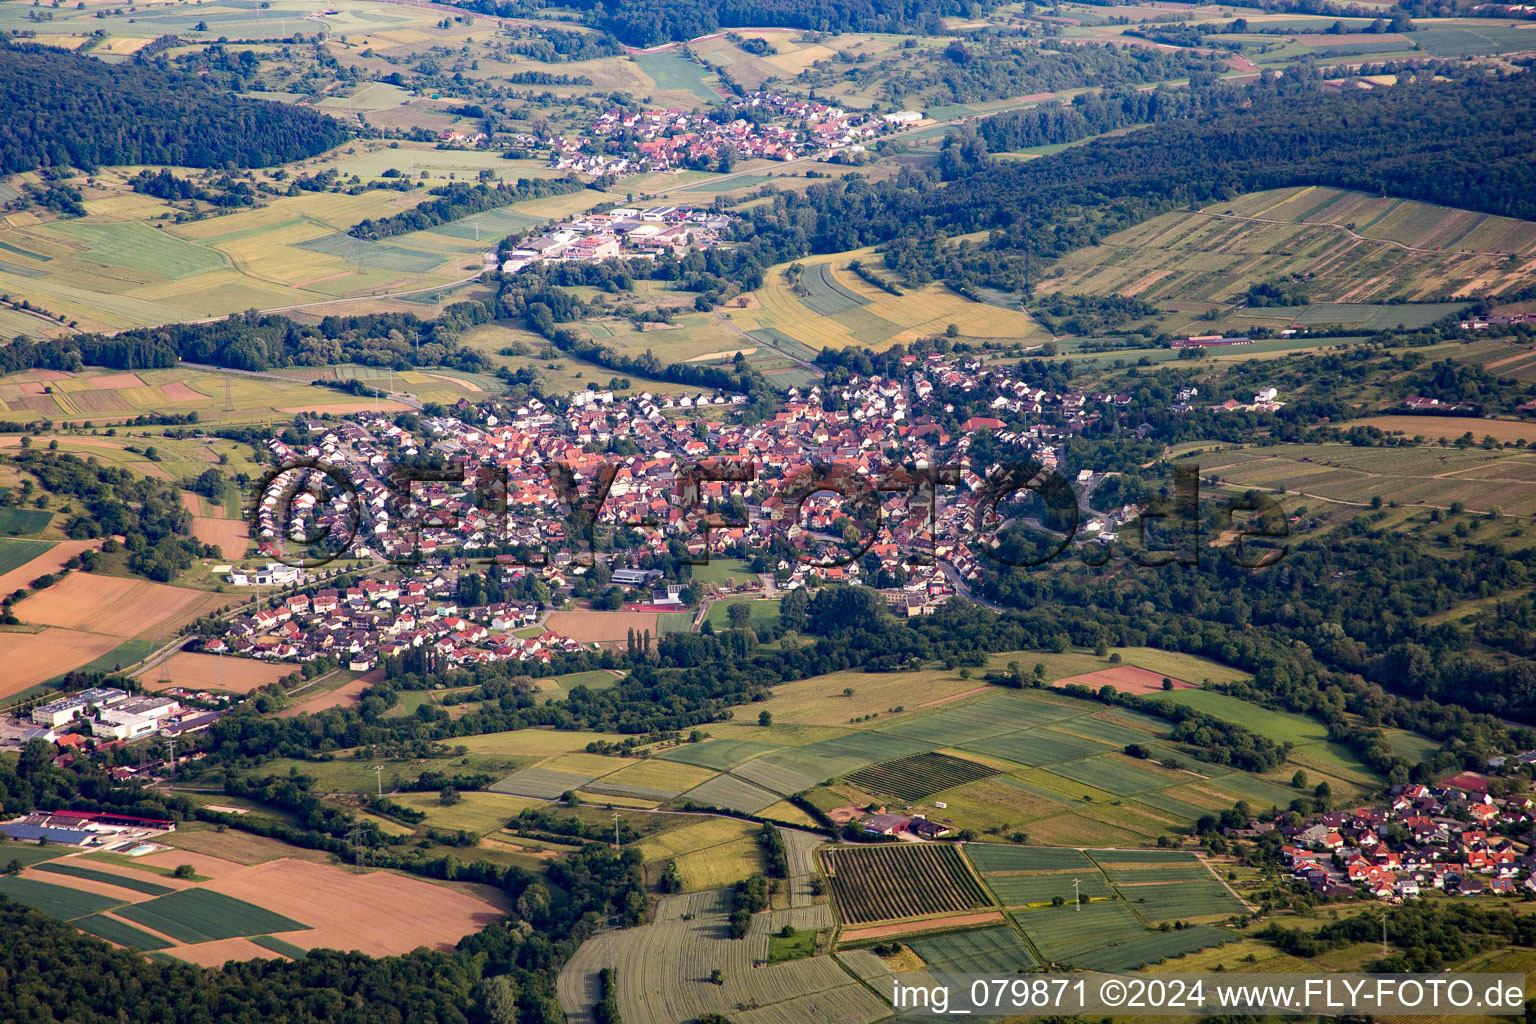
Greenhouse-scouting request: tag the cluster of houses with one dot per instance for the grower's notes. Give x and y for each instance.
(630, 233)
(356, 625)
(1449, 837)
(624, 142)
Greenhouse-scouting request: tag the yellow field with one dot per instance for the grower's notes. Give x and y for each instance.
(707, 834)
(531, 742)
(887, 319)
(721, 865)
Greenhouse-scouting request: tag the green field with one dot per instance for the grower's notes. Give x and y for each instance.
(674, 73)
(55, 900)
(139, 246)
(14, 553)
(983, 951)
(201, 915)
(762, 611)
(17, 522)
(912, 778)
(123, 934)
(1279, 726)
(122, 881)
(717, 754)
(288, 949)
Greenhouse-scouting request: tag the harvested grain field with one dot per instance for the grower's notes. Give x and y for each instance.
(49, 561)
(601, 627)
(379, 913)
(211, 672)
(1450, 427)
(1125, 679)
(32, 658)
(223, 852)
(208, 867)
(117, 606)
(220, 951)
(231, 536)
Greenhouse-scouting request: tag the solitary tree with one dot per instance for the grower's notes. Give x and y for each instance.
(765, 719)
(739, 615)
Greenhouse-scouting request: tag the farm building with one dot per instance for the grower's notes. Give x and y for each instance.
(21, 831)
(921, 826)
(885, 824)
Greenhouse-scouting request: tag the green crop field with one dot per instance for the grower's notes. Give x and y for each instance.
(892, 881)
(1063, 934)
(17, 522)
(1189, 898)
(58, 901)
(825, 294)
(139, 246)
(780, 778)
(912, 778)
(983, 951)
(123, 934)
(201, 915)
(717, 754)
(122, 881)
(674, 73)
(1014, 890)
(287, 949)
(1039, 746)
(1279, 726)
(991, 858)
(732, 793)
(14, 553)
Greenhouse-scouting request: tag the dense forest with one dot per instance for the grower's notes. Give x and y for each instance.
(61, 109)
(255, 341)
(649, 22)
(985, 69)
(461, 199)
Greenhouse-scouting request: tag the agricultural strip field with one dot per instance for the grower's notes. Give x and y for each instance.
(202, 915)
(983, 951)
(1209, 255)
(1158, 885)
(1482, 480)
(894, 881)
(663, 970)
(57, 901)
(113, 930)
(912, 778)
(123, 881)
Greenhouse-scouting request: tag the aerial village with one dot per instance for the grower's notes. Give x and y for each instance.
(1453, 837)
(772, 126)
